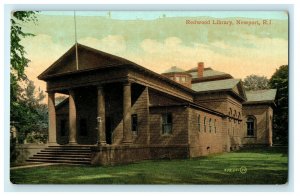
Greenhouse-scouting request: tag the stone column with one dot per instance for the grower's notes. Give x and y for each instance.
(72, 118)
(52, 119)
(101, 116)
(127, 134)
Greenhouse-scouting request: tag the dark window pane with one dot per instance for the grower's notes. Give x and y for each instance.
(134, 123)
(167, 123)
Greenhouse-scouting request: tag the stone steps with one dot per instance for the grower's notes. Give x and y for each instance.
(68, 154)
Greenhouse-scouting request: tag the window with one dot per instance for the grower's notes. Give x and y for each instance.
(172, 78)
(229, 114)
(199, 122)
(134, 124)
(215, 124)
(177, 78)
(167, 123)
(209, 124)
(83, 127)
(183, 79)
(204, 123)
(250, 126)
(63, 127)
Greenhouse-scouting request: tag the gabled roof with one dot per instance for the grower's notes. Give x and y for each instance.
(267, 95)
(234, 86)
(91, 59)
(215, 85)
(66, 64)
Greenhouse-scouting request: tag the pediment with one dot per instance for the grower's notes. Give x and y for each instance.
(88, 59)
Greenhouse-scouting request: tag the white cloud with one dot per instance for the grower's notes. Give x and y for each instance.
(111, 43)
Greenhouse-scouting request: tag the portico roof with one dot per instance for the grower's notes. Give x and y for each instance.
(66, 64)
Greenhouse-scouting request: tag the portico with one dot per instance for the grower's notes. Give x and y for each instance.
(89, 108)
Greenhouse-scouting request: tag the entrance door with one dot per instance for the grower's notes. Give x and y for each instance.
(108, 130)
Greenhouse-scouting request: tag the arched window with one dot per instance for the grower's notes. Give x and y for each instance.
(250, 126)
(230, 114)
(199, 122)
(215, 124)
(234, 116)
(209, 124)
(204, 123)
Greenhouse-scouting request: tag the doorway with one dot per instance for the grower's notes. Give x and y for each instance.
(108, 130)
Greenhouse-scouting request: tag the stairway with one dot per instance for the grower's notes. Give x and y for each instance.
(69, 154)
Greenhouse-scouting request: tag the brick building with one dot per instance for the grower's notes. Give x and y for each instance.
(118, 111)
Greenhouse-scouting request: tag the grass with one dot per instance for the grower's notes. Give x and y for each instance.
(264, 166)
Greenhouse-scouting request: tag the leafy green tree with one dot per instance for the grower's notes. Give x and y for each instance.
(26, 107)
(255, 82)
(18, 61)
(279, 80)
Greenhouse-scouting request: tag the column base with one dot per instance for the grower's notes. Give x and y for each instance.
(53, 144)
(102, 143)
(72, 143)
(127, 142)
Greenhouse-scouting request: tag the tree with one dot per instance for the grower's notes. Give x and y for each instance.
(279, 80)
(32, 114)
(26, 106)
(255, 82)
(18, 61)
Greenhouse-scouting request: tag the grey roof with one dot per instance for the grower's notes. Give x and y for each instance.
(215, 85)
(261, 95)
(174, 69)
(207, 73)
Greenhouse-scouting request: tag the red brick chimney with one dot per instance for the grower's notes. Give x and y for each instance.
(200, 69)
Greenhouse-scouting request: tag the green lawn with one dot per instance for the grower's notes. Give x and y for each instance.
(264, 166)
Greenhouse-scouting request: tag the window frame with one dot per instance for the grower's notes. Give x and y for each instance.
(215, 124)
(134, 125)
(209, 124)
(253, 122)
(204, 124)
(167, 124)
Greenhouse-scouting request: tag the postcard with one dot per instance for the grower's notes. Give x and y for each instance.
(149, 97)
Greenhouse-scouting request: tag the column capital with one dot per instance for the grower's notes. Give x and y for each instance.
(51, 92)
(127, 83)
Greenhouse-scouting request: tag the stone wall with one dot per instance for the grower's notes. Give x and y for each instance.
(24, 151)
(113, 155)
(263, 115)
(179, 133)
(232, 125)
(208, 138)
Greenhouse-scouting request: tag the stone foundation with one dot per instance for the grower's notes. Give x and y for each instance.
(24, 151)
(112, 155)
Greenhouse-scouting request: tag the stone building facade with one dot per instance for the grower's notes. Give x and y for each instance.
(125, 113)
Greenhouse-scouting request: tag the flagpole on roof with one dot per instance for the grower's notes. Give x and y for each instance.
(76, 45)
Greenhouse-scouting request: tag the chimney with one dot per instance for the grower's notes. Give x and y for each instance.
(200, 69)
